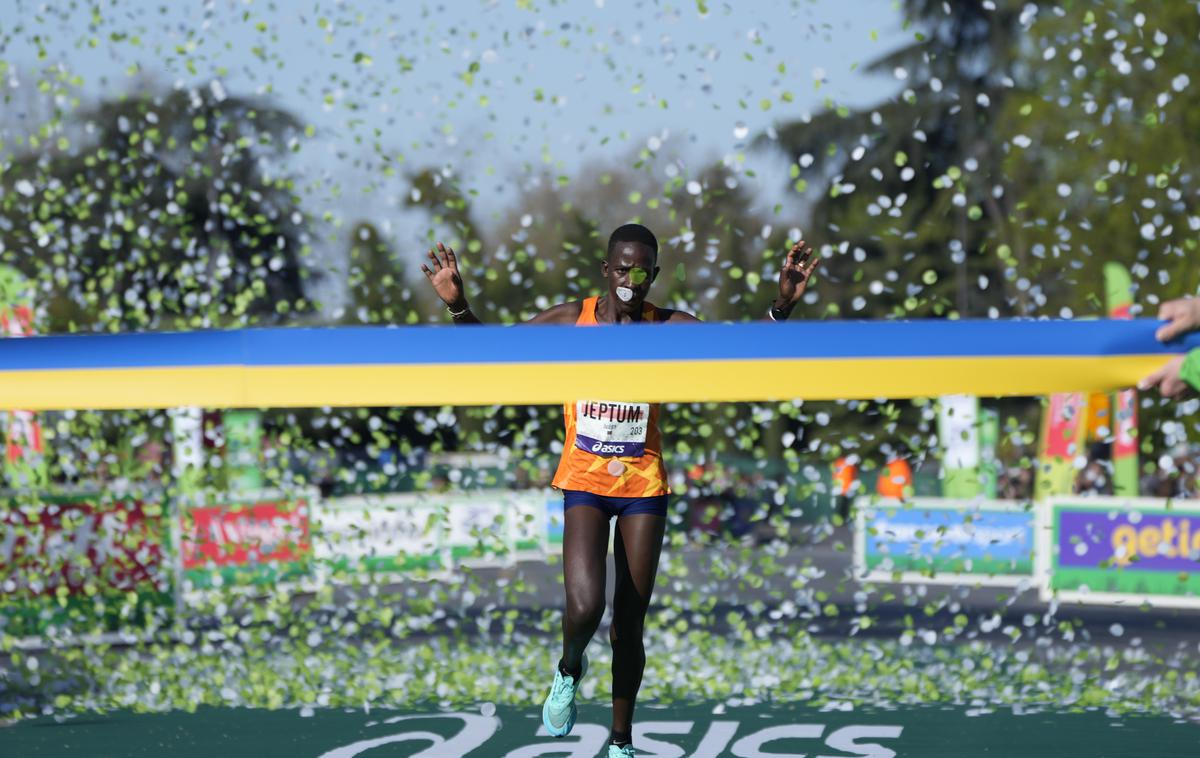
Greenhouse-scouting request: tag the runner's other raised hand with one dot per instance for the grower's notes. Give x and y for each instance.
(443, 275)
(798, 267)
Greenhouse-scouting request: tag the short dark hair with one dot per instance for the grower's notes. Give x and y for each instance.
(632, 233)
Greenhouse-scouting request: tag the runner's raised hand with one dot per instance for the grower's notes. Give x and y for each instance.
(798, 267)
(443, 275)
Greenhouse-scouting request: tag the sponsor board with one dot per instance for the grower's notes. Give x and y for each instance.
(532, 526)
(1120, 551)
(1063, 433)
(85, 559)
(555, 521)
(479, 529)
(475, 734)
(250, 540)
(24, 461)
(948, 541)
(408, 532)
(696, 731)
(377, 534)
(958, 432)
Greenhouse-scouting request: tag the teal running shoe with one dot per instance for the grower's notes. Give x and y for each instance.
(625, 751)
(559, 711)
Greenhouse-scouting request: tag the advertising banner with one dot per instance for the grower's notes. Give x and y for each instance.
(24, 463)
(407, 532)
(760, 730)
(1062, 441)
(243, 449)
(258, 540)
(385, 534)
(1125, 444)
(532, 527)
(499, 527)
(1120, 551)
(935, 540)
(958, 431)
(80, 560)
(989, 463)
(1118, 296)
(555, 519)
(480, 528)
(187, 447)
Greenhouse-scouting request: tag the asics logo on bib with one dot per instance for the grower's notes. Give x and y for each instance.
(600, 447)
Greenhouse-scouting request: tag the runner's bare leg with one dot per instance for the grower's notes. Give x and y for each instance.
(637, 546)
(585, 549)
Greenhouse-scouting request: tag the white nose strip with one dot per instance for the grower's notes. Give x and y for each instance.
(625, 294)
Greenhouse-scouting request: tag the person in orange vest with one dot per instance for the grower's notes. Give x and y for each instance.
(611, 467)
(845, 483)
(896, 480)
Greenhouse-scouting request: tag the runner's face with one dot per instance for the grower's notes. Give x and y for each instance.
(631, 266)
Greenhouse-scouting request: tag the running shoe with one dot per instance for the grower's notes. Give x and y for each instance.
(559, 711)
(625, 751)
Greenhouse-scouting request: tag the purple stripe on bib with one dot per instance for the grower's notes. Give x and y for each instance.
(610, 449)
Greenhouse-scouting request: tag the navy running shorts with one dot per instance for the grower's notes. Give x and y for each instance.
(616, 506)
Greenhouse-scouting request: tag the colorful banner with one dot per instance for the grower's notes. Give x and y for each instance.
(958, 432)
(187, 447)
(243, 449)
(80, 561)
(989, 463)
(555, 522)
(401, 533)
(1061, 443)
(260, 540)
(532, 527)
(1118, 292)
(1125, 444)
(1121, 551)
(485, 365)
(378, 534)
(24, 450)
(480, 529)
(983, 542)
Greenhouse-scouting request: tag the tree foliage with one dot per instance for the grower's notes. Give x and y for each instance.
(160, 209)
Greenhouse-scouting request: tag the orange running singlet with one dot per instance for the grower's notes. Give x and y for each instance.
(612, 448)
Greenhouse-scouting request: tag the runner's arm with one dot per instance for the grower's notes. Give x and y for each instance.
(443, 273)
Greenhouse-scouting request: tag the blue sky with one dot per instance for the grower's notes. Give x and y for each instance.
(496, 92)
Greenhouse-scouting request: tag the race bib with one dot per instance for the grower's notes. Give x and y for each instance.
(611, 429)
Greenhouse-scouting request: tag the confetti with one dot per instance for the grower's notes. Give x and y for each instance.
(219, 166)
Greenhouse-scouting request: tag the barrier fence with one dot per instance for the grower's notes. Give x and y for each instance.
(1090, 550)
(73, 560)
(79, 557)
